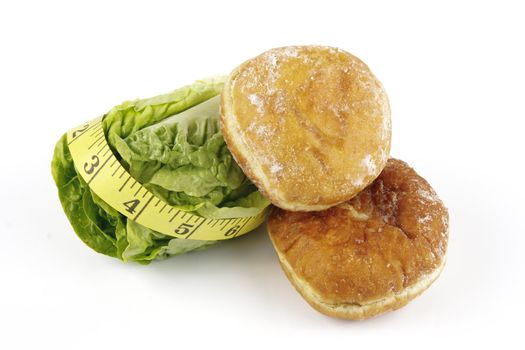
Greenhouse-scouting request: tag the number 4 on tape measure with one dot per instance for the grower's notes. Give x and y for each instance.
(112, 183)
(131, 205)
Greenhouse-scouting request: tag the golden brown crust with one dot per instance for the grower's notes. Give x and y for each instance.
(369, 255)
(309, 125)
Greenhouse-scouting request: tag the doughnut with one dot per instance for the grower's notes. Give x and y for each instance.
(309, 125)
(369, 255)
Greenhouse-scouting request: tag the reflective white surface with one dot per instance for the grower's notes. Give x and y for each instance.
(454, 74)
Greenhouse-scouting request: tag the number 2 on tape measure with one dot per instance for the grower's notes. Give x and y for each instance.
(80, 130)
(112, 183)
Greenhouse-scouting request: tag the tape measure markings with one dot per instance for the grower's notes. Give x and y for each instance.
(116, 170)
(196, 228)
(80, 131)
(240, 228)
(99, 169)
(104, 174)
(144, 207)
(174, 216)
(124, 184)
(226, 223)
(96, 129)
(99, 135)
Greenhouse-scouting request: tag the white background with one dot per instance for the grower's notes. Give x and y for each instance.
(455, 76)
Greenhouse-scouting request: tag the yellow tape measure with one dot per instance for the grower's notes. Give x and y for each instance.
(104, 174)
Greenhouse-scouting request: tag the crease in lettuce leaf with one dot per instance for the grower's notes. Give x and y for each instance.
(172, 145)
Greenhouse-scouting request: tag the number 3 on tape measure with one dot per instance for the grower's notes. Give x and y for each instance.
(89, 168)
(109, 180)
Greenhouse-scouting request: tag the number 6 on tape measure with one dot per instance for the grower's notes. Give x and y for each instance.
(112, 183)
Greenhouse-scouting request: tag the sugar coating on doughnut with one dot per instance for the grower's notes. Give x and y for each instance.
(371, 254)
(309, 125)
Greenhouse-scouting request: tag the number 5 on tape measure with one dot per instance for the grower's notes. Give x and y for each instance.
(104, 174)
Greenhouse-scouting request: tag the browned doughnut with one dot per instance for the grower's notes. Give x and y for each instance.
(309, 125)
(372, 254)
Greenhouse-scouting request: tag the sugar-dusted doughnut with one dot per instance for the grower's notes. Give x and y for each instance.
(369, 255)
(309, 125)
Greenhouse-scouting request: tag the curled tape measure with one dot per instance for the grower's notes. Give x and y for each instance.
(105, 176)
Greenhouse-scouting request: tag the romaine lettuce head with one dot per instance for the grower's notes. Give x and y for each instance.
(173, 146)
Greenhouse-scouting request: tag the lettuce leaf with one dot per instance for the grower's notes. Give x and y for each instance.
(172, 145)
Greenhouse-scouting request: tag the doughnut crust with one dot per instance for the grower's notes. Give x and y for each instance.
(369, 255)
(309, 125)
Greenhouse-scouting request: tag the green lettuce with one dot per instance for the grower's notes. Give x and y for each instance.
(173, 146)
